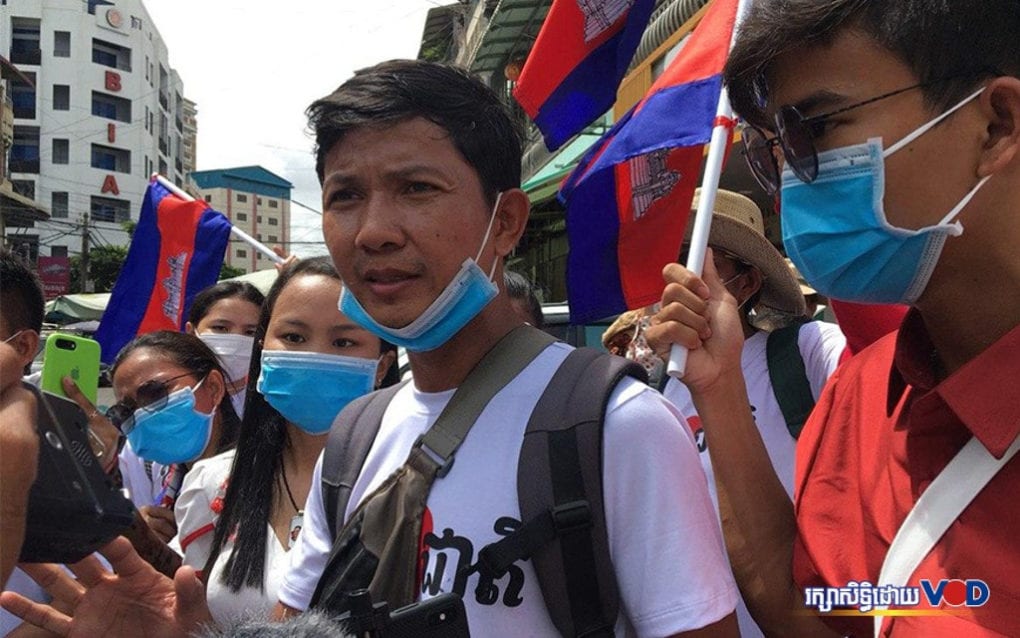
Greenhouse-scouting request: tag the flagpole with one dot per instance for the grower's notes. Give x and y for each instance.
(724, 124)
(254, 243)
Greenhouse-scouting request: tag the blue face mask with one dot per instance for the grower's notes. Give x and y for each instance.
(310, 388)
(460, 302)
(836, 232)
(175, 433)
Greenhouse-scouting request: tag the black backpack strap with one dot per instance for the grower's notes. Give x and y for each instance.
(349, 441)
(559, 486)
(789, 377)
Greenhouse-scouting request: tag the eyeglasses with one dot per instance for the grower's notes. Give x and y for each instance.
(150, 396)
(718, 255)
(796, 140)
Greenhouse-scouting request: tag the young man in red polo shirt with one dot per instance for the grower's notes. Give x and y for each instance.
(891, 131)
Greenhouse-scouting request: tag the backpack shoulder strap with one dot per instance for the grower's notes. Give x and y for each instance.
(559, 487)
(349, 441)
(789, 377)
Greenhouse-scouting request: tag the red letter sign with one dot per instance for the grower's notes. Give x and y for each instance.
(110, 185)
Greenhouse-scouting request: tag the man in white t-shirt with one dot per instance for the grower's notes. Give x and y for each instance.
(769, 298)
(420, 171)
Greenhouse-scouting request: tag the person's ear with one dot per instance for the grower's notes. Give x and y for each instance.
(750, 283)
(216, 387)
(1000, 107)
(189, 328)
(26, 345)
(511, 220)
(385, 361)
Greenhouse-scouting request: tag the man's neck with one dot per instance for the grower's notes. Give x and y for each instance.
(447, 366)
(967, 314)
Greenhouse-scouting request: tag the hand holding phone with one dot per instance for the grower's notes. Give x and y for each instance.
(72, 356)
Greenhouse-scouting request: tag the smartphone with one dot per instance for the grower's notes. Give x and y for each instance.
(439, 617)
(71, 356)
(74, 508)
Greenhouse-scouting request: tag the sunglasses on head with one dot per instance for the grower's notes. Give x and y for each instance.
(150, 396)
(794, 142)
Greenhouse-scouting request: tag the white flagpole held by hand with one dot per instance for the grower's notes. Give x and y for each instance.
(256, 244)
(706, 205)
(724, 124)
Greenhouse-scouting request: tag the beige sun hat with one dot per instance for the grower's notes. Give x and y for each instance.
(627, 321)
(805, 288)
(737, 227)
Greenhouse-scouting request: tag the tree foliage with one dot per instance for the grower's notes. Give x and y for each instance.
(105, 263)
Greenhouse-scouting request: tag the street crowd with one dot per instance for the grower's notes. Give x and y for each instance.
(278, 462)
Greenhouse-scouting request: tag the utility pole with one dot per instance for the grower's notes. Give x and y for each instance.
(84, 262)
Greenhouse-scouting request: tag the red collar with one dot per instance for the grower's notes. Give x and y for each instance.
(983, 394)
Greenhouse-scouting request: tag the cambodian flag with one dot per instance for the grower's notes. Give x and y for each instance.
(176, 251)
(629, 198)
(579, 58)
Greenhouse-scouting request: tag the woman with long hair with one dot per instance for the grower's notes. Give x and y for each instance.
(239, 512)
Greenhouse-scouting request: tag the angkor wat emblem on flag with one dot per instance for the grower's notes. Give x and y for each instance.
(599, 15)
(650, 180)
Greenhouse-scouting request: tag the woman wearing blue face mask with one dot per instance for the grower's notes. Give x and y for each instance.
(173, 407)
(239, 512)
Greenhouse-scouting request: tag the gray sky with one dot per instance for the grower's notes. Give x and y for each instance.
(252, 66)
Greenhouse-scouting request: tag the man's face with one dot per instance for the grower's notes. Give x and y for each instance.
(402, 210)
(925, 179)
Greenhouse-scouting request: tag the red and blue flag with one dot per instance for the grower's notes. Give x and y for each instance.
(629, 198)
(176, 251)
(578, 61)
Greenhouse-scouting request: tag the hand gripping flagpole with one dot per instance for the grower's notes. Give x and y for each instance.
(722, 127)
(254, 243)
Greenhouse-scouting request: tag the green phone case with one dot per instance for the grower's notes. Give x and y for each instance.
(71, 356)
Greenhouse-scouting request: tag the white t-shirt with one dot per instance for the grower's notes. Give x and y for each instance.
(821, 346)
(664, 540)
(196, 517)
(142, 484)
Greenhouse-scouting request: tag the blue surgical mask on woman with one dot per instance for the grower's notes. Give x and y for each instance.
(175, 433)
(836, 232)
(464, 297)
(310, 388)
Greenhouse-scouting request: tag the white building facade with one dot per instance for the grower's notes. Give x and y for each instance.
(105, 113)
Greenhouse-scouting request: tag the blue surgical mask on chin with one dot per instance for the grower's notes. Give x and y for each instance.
(460, 302)
(310, 388)
(175, 433)
(836, 232)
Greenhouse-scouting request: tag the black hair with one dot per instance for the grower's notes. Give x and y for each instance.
(192, 354)
(207, 298)
(518, 287)
(478, 122)
(21, 297)
(254, 477)
(950, 46)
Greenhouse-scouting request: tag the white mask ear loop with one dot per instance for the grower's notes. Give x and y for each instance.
(951, 215)
(488, 230)
(930, 125)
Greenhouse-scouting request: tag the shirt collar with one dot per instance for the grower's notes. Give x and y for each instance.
(978, 393)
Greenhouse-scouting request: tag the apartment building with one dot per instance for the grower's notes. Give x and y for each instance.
(255, 200)
(103, 111)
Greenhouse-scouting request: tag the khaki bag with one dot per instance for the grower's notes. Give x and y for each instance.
(378, 548)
